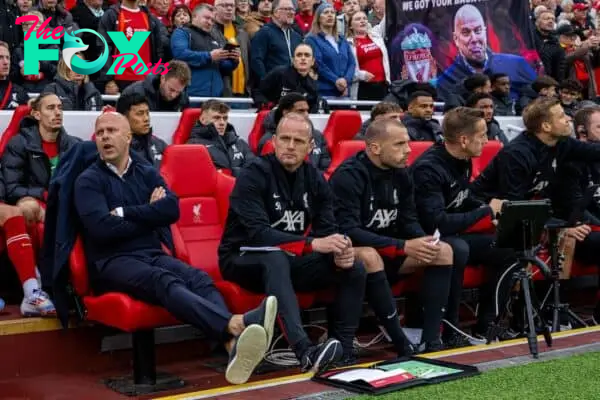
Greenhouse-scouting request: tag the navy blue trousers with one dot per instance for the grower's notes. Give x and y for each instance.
(154, 277)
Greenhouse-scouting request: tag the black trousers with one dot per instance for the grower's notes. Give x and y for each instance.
(587, 251)
(154, 277)
(496, 261)
(281, 275)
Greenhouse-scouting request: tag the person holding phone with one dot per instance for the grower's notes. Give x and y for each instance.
(375, 206)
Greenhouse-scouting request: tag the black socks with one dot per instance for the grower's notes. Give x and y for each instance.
(436, 288)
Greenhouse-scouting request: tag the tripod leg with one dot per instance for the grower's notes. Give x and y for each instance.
(540, 320)
(531, 335)
(556, 306)
(495, 327)
(575, 318)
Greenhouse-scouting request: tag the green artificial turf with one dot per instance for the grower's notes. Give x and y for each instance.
(575, 377)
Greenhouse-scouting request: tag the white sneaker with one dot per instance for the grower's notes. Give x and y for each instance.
(38, 305)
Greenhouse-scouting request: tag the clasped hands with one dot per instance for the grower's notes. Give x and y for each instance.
(339, 245)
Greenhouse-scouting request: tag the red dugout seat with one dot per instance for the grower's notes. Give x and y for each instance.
(416, 149)
(13, 126)
(341, 125)
(120, 311)
(344, 150)
(257, 131)
(188, 119)
(267, 148)
(204, 202)
(489, 152)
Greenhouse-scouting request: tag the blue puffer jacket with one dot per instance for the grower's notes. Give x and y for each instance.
(193, 45)
(332, 65)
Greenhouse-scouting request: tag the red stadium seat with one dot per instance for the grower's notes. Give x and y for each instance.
(13, 126)
(267, 148)
(489, 152)
(416, 149)
(120, 311)
(204, 203)
(188, 119)
(344, 150)
(341, 125)
(257, 131)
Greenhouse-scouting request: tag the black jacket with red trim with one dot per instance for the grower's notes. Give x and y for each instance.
(272, 207)
(375, 207)
(443, 196)
(527, 168)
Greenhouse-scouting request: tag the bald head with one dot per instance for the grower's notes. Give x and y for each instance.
(467, 12)
(113, 136)
(470, 35)
(387, 143)
(295, 119)
(379, 129)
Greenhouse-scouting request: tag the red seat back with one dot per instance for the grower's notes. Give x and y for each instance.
(341, 125)
(203, 201)
(13, 126)
(416, 149)
(79, 269)
(257, 130)
(489, 152)
(188, 119)
(344, 150)
(267, 148)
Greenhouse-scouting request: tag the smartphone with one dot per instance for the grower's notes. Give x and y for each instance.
(231, 47)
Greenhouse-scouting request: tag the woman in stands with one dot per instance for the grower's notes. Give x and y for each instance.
(296, 78)
(75, 90)
(372, 76)
(333, 56)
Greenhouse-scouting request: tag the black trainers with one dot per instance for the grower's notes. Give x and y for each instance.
(248, 351)
(455, 340)
(347, 360)
(264, 315)
(430, 347)
(317, 358)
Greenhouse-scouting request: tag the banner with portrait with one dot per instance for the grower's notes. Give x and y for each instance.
(445, 41)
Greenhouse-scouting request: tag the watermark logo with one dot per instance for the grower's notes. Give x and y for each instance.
(128, 56)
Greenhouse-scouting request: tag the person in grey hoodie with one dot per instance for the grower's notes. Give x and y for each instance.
(227, 150)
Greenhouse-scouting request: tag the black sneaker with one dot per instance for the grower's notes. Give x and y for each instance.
(596, 316)
(455, 341)
(431, 347)
(317, 358)
(248, 351)
(347, 360)
(264, 315)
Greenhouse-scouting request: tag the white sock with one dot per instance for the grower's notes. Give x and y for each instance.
(29, 286)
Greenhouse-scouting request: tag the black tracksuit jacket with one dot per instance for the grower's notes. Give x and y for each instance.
(443, 195)
(375, 207)
(580, 183)
(272, 207)
(527, 169)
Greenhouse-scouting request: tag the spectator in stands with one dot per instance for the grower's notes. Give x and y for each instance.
(24, 6)
(160, 9)
(543, 86)
(375, 206)
(180, 16)
(9, 31)
(504, 105)
(545, 24)
(87, 14)
(20, 249)
(11, 94)
(305, 15)
(382, 110)
(165, 92)
(128, 17)
(242, 10)
(297, 78)
(60, 17)
(227, 30)
(135, 107)
(276, 201)
(476, 83)
(75, 91)
(296, 103)
(205, 55)
(350, 8)
(274, 44)
(419, 118)
(372, 76)
(582, 21)
(334, 59)
(47, 69)
(227, 150)
(569, 93)
(126, 211)
(444, 201)
(485, 103)
(31, 156)
(257, 18)
(377, 13)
